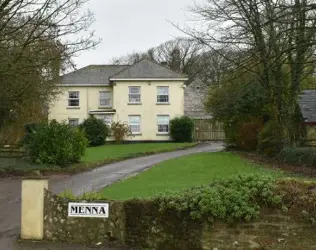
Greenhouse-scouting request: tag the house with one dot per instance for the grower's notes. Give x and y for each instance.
(145, 95)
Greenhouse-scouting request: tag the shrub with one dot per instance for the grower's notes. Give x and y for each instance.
(237, 198)
(120, 131)
(87, 196)
(29, 129)
(56, 143)
(181, 129)
(299, 156)
(270, 140)
(95, 130)
(247, 134)
(230, 130)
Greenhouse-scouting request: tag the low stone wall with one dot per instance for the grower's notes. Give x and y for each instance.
(139, 225)
(59, 227)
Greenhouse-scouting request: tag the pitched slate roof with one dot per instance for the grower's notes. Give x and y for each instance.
(307, 103)
(147, 69)
(92, 75)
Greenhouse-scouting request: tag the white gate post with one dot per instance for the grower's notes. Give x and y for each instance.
(32, 210)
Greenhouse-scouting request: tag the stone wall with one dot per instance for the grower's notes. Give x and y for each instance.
(59, 227)
(194, 97)
(139, 224)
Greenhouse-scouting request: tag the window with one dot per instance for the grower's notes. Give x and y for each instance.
(134, 123)
(134, 95)
(163, 123)
(107, 119)
(73, 122)
(162, 94)
(73, 98)
(105, 99)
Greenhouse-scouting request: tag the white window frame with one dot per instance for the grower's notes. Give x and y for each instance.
(109, 99)
(106, 118)
(135, 124)
(73, 119)
(133, 96)
(73, 98)
(159, 95)
(163, 124)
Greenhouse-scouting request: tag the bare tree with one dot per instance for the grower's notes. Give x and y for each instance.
(38, 39)
(275, 39)
(180, 54)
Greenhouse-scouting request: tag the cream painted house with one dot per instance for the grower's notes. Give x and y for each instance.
(145, 95)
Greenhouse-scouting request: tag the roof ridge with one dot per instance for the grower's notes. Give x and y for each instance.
(107, 65)
(92, 65)
(152, 61)
(159, 64)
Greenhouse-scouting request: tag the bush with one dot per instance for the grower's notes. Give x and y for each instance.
(270, 140)
(56, 143)
(299, 156)
(87, 196)
(95, 130)
(247, 134)
(120, 131)
(29, 129)
(230, 130)
(237, 198)
(181, 129)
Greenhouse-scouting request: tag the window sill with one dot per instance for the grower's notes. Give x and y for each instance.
(70, 107)
(104, 107)
(134, 103)
(162, 134)
(163, 103)
(136, 134)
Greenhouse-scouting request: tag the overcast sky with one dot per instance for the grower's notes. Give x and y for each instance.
(127, 26)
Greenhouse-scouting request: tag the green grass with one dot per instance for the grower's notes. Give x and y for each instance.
(94, 157)
(113, 151)
(184, 172)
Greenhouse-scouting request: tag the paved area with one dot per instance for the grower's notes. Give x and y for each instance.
(10, 190)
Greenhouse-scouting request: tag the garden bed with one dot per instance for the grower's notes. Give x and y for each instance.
(277, 165)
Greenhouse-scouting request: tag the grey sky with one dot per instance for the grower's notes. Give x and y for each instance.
(126, 26)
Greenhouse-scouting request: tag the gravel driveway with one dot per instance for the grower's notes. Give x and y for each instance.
(10, 190)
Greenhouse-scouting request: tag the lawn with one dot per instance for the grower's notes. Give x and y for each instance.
(184, 172)
(114, 151)
(94, 157)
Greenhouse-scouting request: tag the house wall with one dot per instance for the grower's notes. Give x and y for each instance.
(149, 109)
(89, 100)
(194, 97)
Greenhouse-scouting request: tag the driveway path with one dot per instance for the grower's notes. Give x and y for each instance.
(10, 188)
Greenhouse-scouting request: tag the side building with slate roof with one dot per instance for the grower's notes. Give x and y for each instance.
(307, 103)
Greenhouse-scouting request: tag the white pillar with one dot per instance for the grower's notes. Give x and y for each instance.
(32, 212)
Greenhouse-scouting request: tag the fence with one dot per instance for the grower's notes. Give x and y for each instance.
(208, 130)
(11, 151)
